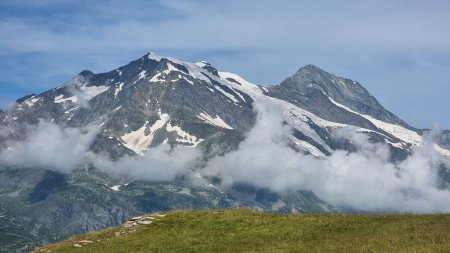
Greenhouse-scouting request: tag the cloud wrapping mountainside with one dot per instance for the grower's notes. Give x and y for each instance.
(48, 145)
(364, 180)
(158, 164)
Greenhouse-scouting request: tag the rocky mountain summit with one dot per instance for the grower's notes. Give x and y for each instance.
(158, 100)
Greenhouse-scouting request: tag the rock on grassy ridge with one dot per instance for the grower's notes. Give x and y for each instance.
(131, 226)
(246, 230)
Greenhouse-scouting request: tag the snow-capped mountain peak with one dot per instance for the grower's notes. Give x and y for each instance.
(156, 99)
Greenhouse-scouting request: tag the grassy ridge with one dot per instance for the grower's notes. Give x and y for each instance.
(244, 230)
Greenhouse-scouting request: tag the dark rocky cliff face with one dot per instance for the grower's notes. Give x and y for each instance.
(311, 88)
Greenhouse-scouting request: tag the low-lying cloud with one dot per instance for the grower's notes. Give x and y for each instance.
(48, 145)
(158, 164)
(365, 180)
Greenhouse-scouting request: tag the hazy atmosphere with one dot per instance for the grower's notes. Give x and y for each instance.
(398, 50)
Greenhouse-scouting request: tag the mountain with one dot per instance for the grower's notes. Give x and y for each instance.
(158, 100)
(317, 88)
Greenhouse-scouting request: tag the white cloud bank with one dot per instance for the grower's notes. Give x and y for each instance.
(48, 145)
(157, 164)
(365, 180)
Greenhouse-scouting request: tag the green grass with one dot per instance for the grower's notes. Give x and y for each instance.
(243, 230)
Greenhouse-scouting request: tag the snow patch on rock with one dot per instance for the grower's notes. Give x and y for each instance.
(114, 187)
(228, 95)
(31, 101)
(216, 121)
(185, 136)
(90, 92)
(118, 89)
(160, 76)
(400, 132)
(201, 64)
(142, 74)
(138, 140)
(306, 146)
(60, 99)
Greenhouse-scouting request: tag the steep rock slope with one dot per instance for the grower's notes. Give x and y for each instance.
(143, 104)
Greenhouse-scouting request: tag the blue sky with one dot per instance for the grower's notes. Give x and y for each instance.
(399, 50)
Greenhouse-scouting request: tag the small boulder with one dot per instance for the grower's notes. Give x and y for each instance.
(144, 222)
(128, 225)
(84, 242)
